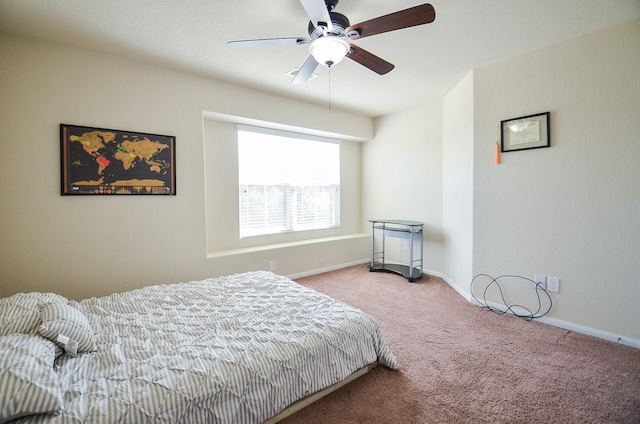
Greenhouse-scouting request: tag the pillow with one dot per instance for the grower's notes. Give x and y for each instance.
(20, 313)
(68, 327)
(29, 383)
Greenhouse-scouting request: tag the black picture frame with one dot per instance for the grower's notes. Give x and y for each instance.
(100, 161)
(525, 133)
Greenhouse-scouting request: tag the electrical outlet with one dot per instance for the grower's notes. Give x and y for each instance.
(540, 280)
(272, 265)
(554, 284)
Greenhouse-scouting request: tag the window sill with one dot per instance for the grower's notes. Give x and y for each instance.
(267, 247)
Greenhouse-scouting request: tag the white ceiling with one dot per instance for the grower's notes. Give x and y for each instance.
(429, 59)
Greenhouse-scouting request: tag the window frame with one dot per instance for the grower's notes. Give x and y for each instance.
(291, 192)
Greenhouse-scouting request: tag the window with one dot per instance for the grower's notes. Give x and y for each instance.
(288, 181)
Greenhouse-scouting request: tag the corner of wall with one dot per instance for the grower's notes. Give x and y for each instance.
(457, 158)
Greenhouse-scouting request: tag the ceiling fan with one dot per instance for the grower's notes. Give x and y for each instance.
(331, 33)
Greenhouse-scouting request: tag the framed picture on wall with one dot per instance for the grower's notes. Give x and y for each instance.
(526, 132)
(107, 162)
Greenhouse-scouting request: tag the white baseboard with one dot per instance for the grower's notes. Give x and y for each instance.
(327, 269)
(612, 337)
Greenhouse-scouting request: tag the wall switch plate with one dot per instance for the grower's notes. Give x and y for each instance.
(554, 284)
(540, 281)
(406, 245)
(272, 265)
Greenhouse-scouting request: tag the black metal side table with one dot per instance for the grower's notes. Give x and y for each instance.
(410, 230)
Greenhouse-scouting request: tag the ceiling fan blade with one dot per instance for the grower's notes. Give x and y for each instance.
(318, 12)
(369, 60)
(267, 42)
(418, 15)
(306, 71)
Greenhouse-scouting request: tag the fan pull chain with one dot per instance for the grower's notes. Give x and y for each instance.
(329, 88)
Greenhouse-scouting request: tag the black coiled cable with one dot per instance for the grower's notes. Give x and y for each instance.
(509, 309)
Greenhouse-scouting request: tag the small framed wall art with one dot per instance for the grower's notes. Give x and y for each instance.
(526, 132)
(106, 162)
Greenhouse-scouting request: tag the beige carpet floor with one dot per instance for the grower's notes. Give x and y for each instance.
(460, 363)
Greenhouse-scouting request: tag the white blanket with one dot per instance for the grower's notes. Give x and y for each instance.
(236, 349)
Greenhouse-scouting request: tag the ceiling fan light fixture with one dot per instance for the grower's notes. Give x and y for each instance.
(329, 50)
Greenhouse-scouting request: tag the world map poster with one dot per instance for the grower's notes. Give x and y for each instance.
(102, 161)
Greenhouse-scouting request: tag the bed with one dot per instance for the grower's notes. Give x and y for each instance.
(236, 349)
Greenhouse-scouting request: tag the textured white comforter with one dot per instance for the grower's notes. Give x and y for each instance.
(236, 349)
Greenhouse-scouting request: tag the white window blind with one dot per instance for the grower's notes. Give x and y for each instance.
(288, 181)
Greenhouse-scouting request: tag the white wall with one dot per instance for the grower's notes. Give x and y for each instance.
(458, 182)
(402, 178)
(568, 211)
(93, 245)
(571, 210)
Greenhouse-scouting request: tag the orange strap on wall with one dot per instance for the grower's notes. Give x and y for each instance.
(498, 145)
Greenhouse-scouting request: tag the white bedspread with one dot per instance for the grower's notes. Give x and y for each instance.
(236, 349)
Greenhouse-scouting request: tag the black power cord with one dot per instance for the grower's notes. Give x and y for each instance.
(509, 309)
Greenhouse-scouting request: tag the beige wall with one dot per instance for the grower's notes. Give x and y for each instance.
(458, 181)
(569, 211)
(402, 178)
(91, 245)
